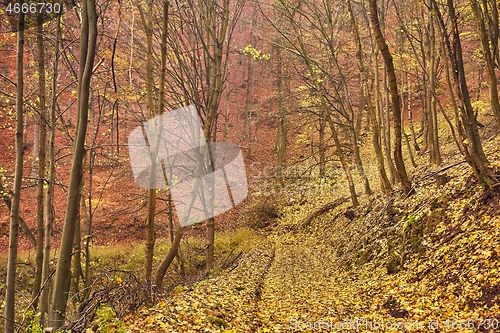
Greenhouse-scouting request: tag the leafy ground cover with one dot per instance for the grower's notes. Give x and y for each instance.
(424, 263)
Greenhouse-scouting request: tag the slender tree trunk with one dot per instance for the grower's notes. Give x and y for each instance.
(361, 109)
(14, 212)
(396, 104)
(151, 192)
(474, 153)
(477, 157)
(468, 117)
(410, 118)
(343, 161)
(488, 56)
(281, 143)
(86, 214)
(349, 109)
(250, 85)
(49, 210)
(386, 118)
(174, 248)
(227, 113)
(42, 118)
(494, 30)
(435, 154)
(322, 144)
(380, 115)
(219, 39)
(454, 105)
(77, 248)
(62, 277)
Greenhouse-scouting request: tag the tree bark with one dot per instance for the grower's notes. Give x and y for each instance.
(14, 212)
(488, 56)
(172, 253)
(147, 23)
(218, 40)
(49, 196)
(350, 111)
(380, 114)
(62, 277)
(343, 161)
(396, 104)
(468, 129)
(281, 142)
(42, 137)
(250, 85)
(433, 135)
(174, 248)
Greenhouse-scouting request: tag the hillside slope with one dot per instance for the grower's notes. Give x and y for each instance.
(425, 263)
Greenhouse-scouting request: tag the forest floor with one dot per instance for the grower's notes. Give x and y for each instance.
(429, 262)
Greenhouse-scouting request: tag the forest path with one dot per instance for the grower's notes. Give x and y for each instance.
(303, 287)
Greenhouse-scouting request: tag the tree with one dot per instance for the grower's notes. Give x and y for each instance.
(283, 95)
(384, 180)
(455, 54)
(49, 195)
(425, 53)
(489, 50)
(468, 127)
(395, 99)
(62, 277)
(198, 38)
(14, 212)
(431, 111)
(42, 137)
(147, 22)
(311, 37)
(250, 84)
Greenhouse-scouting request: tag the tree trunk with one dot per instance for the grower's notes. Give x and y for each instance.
(396, 104)
(322, 145)
(380, 115)
(281, 142)
(14, 212)
(488, 56)
(151, 192)
(433, 135)
(477, 157)
(250, 84)
(454, 105)
(77, 248)
(49, 217)
(350, 111)
(174, 248)
(473, 149)
(62, 277)
(219, 39)
(343, 161)
(87, 222)
(42, 137)
(494, 30)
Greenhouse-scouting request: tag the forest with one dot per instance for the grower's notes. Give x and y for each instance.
(249, 166)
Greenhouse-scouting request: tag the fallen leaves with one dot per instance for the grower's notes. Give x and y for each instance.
(332, 273)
